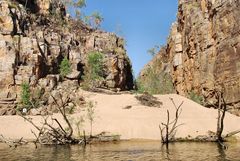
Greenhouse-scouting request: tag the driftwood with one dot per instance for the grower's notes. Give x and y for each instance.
(168, 130)
(13, 143)
(210, 137)
(105, 91)
(49, 134)
(147, 99)
(104, 137)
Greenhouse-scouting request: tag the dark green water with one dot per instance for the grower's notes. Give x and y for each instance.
(143, 151)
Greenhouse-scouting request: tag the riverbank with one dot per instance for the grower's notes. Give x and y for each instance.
(135, 122)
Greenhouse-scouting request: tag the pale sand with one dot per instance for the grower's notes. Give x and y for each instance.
(139, 122)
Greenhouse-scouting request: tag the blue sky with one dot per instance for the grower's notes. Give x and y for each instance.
(143, 24)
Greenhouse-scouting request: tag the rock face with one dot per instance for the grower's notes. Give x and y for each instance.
(34, 40)
(203, 49)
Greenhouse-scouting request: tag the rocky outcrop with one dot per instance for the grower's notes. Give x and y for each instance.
(35, 36)
(203, 49)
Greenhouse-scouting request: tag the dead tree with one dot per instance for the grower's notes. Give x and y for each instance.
(168, 130)
(50, 134)
(222, 108)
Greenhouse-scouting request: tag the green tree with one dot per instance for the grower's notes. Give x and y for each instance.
(77, 5)
(155, 82)
(86, 19)
(95, 65)
(94, 20)
(153, 51)
(94, 71)
(65, 67)
(97, 19)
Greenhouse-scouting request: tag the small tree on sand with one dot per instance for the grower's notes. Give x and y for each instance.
(91, 114)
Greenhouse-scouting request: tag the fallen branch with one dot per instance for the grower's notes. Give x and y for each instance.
(50, 134)
(147, 99)
(12, 143)
(231, 134)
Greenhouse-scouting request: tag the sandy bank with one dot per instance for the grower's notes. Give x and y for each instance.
(138, 122)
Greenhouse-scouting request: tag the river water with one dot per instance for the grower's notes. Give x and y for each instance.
(126, 150)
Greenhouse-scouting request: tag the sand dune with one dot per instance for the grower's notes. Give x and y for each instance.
(138, 122)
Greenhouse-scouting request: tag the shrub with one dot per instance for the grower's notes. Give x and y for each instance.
(79, 125)
(65, 67)
(155, 83)
(91, 114)
(196, 98)
(95, 65)
(25, 95)
(29, 97)
(94, 70)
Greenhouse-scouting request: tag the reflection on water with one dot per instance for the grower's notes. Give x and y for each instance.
(123, 151)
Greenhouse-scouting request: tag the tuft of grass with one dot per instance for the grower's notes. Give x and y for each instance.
(196, 98)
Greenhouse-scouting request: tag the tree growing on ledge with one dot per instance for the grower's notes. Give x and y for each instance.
(25, 95)
(65, 67)
(77, 5)
(94, 20)
(153, 51)
(95, 65)
(94, 70)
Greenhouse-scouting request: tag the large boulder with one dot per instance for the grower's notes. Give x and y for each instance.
(6, 22)
(7, 62)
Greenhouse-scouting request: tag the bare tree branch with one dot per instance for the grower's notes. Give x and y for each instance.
(167, 133)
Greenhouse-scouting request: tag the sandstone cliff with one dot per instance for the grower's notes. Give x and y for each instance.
(36, 36)
(203, 49)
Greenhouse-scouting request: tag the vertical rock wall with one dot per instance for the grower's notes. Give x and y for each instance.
(203, 49)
